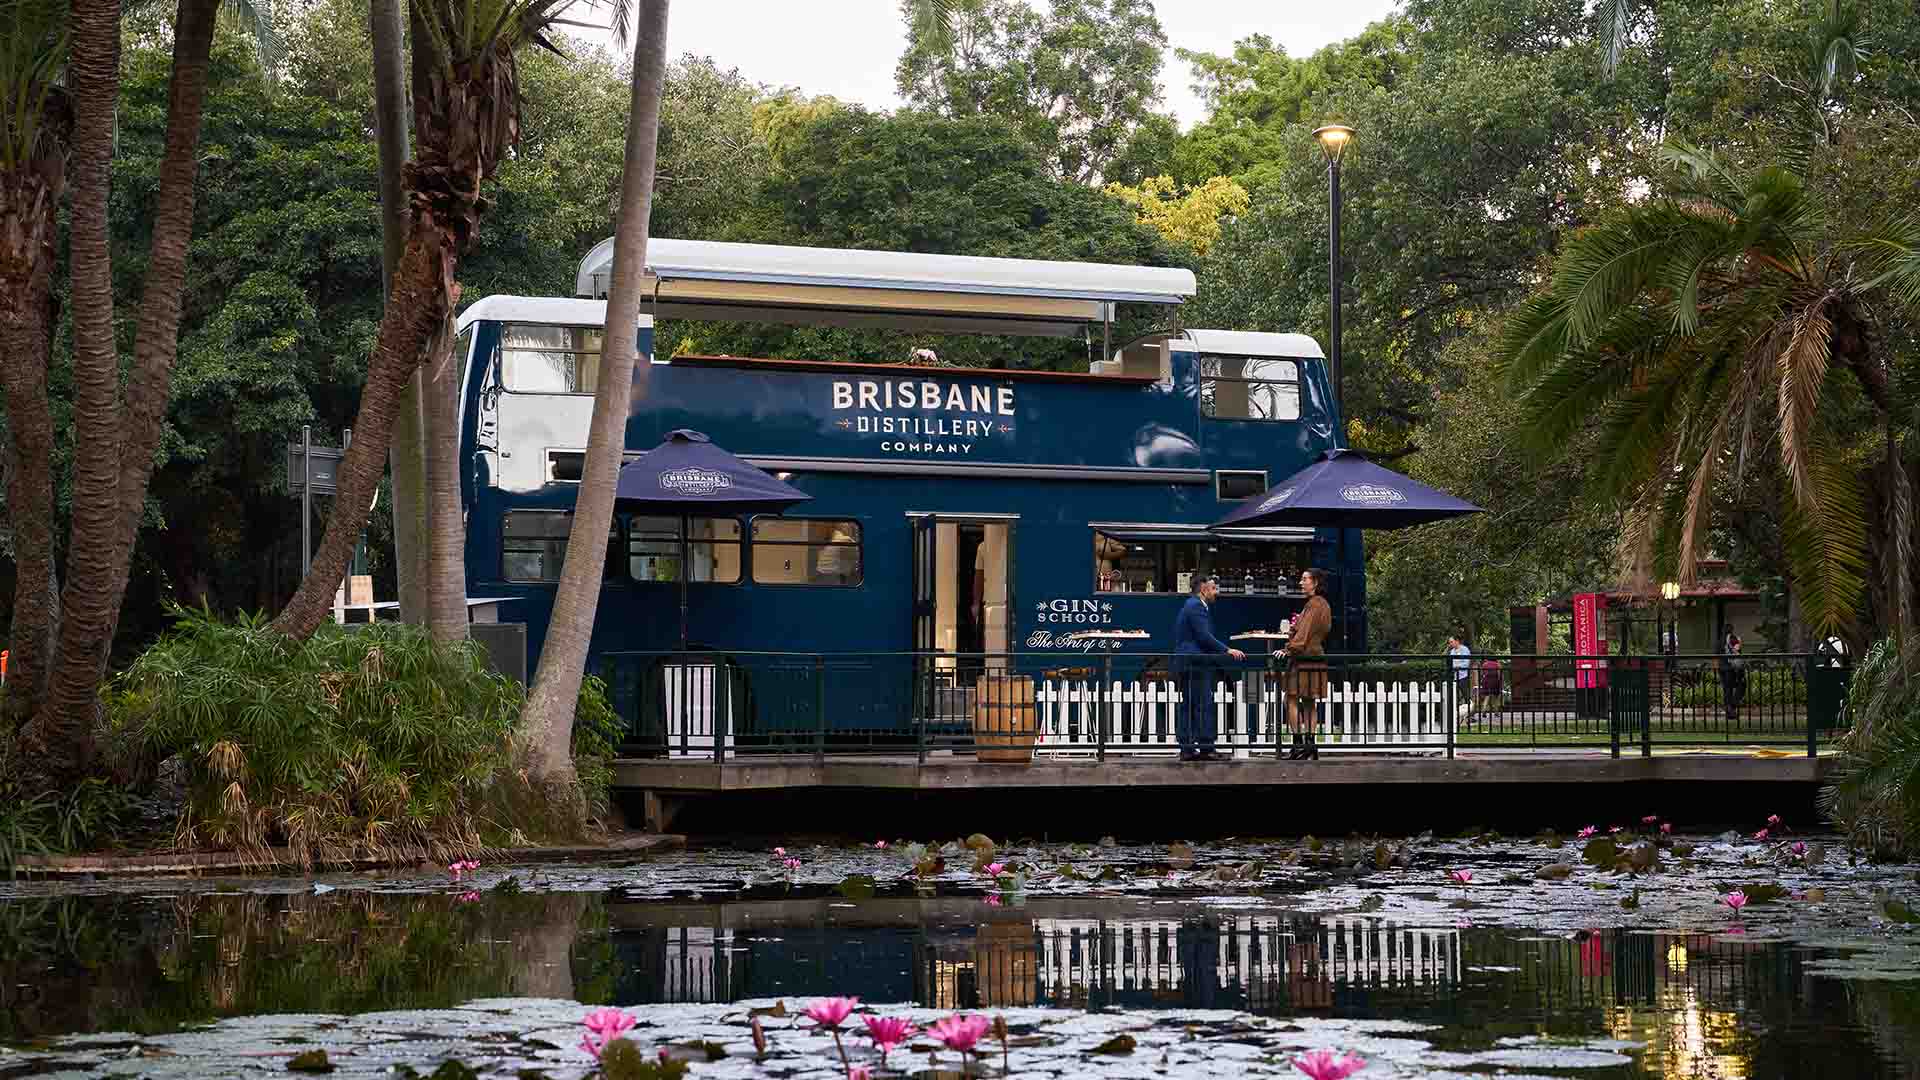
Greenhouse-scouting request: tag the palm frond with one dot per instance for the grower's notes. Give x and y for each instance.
(1827, 550)
(256, 18)
(1804, 350)
(1612, 20)
(1891, 255)
(1839, 46)
(930, 22)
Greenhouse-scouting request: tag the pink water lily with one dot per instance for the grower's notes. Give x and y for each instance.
(1323, 1065)
(1588, 831)
(1462, 876)
(993, 899)
(1736, 900)
(1799, 847)
(996, 869)
(462, 868)
(1650, 819)
(1611, 829)
(888, 1032)
(603, 1026)
(860, 1072)
(960, 1032)
(469, 897)
(832, 1012)
(1773, 820)
(791, 864)
(1666, 828)
(880, 843)
(1761, 835)
(780, 851)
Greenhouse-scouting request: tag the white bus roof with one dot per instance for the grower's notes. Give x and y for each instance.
(1255, 343)
(550, 310)
(703, 279)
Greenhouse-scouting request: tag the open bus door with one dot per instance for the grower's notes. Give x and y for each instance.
(962, 614)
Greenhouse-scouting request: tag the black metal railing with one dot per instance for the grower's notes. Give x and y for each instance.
(1015, 707)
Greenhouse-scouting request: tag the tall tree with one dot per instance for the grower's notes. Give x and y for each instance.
(1076, 81)
(466, 117)
(1693, 328)
(547, 720)
(408, 454)
(37, 117)
(116, 430)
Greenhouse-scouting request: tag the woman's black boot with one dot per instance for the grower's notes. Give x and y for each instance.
(1313, 750)
(1299, 750)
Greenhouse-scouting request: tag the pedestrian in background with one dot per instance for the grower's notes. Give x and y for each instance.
(1462, 661)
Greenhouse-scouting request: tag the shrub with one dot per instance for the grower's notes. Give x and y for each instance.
(1874, 792)
(373, 741)
(45, 823)
(1765, 686)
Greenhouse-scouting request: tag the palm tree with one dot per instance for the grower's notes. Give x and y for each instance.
(36, 120)
(116, 431)
(466, 116)
(1708, 332)
(547, 720)
(387, 40)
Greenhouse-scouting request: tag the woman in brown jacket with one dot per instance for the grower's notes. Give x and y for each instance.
(1306, 681)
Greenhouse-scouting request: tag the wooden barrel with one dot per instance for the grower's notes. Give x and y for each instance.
(1004, 721)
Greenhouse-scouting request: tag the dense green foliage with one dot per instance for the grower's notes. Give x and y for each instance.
(1489, 135)
(365, 742)
(1874, 793)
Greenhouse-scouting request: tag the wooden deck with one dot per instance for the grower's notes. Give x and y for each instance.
(667, 784)
(903, 773)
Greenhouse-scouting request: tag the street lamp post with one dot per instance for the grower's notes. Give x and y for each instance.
(1669, 592)
(1333, 140)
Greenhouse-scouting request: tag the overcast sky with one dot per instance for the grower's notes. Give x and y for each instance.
(847, 48)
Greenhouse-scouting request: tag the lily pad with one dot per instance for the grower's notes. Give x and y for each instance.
(1554, 871)
(1119, 1044)
(857, 886)
(313, 1061)
(1601, 851)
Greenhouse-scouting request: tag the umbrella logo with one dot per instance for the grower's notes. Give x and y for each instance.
(1276, 498)
(695, 481)
(1371, 495)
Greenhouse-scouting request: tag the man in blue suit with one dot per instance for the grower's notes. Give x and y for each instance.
(1194, 648)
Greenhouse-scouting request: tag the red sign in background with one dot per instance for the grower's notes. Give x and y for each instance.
(1587, 610)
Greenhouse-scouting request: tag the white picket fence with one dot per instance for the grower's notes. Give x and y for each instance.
(1251, 951)
(1143, 717)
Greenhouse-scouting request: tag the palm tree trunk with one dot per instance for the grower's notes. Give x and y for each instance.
(29, 226)
(547, 720)
(407, 456)
(157, 337)
(115, 440)
(445, 533)
(23, 334)
(59, 739)
(416, 307)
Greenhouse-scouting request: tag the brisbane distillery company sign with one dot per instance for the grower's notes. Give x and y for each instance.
(923, 417)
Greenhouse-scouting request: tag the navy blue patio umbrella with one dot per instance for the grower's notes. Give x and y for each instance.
(688, 476)
(1344, 490)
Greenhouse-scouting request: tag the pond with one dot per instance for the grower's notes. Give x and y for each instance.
(1226, 959)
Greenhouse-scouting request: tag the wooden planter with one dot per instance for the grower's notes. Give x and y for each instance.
(1005, 723)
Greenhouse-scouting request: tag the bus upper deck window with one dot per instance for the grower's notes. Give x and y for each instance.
(1249, 388)
(536, 359)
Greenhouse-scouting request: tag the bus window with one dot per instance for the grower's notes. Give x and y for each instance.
(806, 551)
(1138, 561)
(1249, 388)
(537, 359)
(533, 544)
(713, 549)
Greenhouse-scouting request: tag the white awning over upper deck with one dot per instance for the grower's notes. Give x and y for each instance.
(701, 279)
(1255, 343)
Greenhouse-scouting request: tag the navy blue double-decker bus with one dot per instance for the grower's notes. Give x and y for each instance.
(954, 511)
